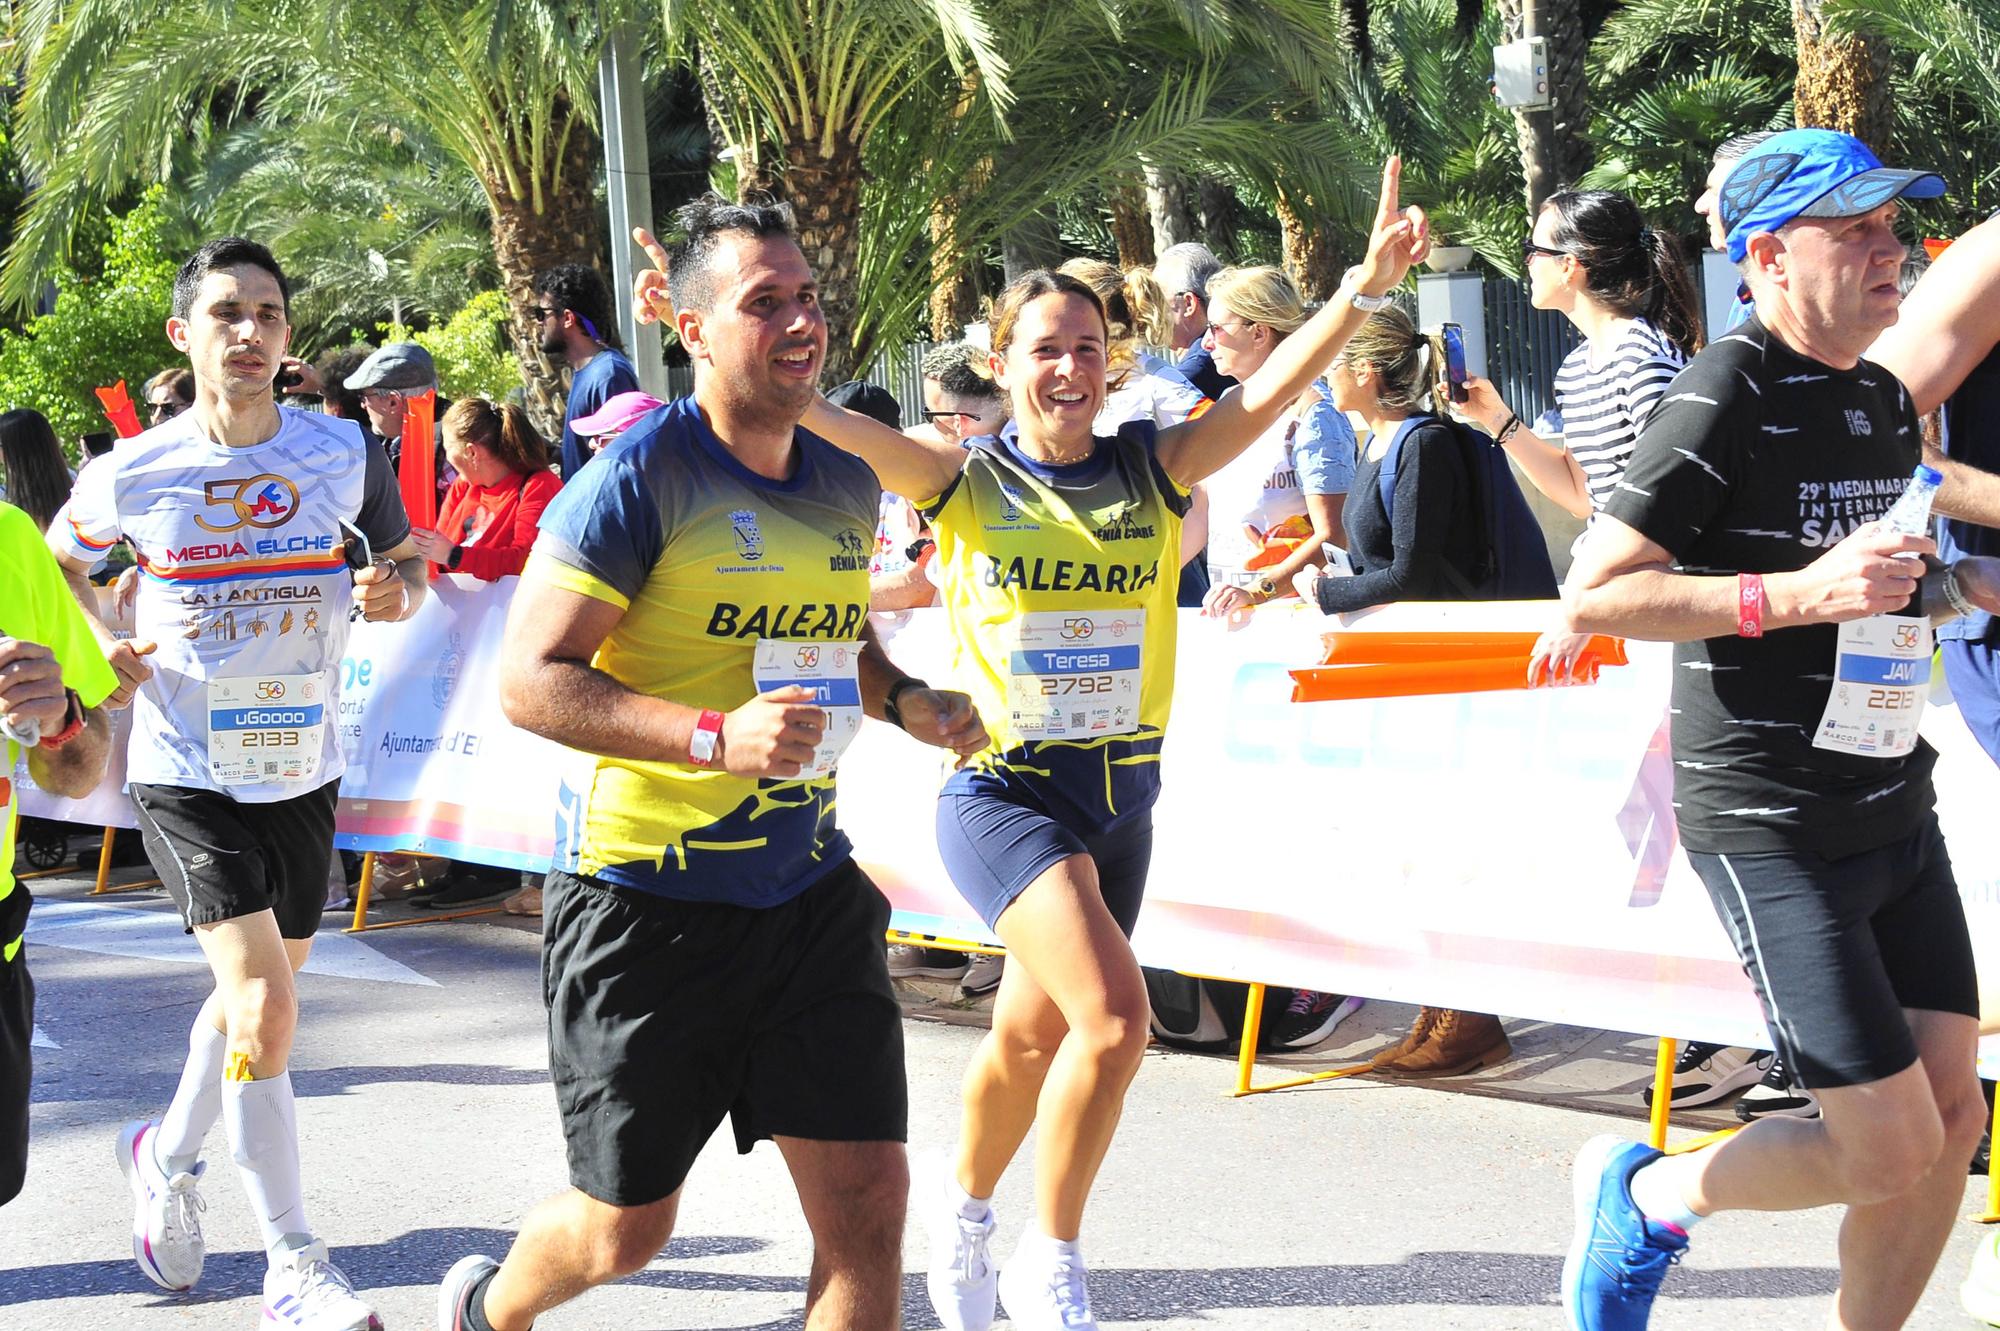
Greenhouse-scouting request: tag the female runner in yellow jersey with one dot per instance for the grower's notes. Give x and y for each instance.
(1057, 552)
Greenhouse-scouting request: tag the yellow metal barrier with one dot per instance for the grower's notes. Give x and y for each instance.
(1663, 1092)
(1992, 1215)
(103, 888)
(1246, 1053)
(362, 889)
(947, 944)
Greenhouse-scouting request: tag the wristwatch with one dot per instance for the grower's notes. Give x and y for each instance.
(1266, 588)
(457, 554)
(890, 711)
(1366, 304)
(707, 734)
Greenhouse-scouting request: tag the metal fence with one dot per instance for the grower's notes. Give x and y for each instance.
(1524, 347)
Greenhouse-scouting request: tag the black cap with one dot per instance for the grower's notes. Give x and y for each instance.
(870, 400)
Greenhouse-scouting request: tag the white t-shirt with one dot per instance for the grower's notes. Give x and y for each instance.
(242, 578)
(1153, 391)
(1263, 489)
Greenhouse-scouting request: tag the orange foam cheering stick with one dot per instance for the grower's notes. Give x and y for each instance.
(416, 468)
(1397, 665)
(118, 409)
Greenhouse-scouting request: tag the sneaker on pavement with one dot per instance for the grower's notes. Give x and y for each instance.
(982, 976)
(961, 1276)
(305, 1291)
(1707, 1073)
(1776, 1097)
(1617, 1259)
(455, 1290)
(1311, 1018)
(166, 1212)
(464, 886)
(1043, 1289)
(907, 960)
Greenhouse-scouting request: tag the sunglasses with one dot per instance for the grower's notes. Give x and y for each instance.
(539, 312)
(935, 416)
(1225, 328)
(1529, 249)
(166, 411)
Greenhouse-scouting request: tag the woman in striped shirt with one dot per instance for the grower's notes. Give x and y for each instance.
(1624, 286)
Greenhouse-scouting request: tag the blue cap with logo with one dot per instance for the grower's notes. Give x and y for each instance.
(1810, 173)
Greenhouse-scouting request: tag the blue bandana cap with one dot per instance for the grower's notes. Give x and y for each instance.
(1810, 173)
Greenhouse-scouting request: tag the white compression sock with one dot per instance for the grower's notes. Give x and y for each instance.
(1657, 1192)
(264, 1137)
(197, 1104)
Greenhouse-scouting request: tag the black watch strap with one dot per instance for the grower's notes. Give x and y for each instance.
(457, 554)
(889, 708)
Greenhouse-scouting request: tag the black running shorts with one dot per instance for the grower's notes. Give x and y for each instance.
(223, 860)
(17, 1026)
(665, 1016)
(1837, 949)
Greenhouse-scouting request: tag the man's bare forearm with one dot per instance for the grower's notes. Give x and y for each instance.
(1968, 493)
(579, 706)
(73, 770)
(877, 674)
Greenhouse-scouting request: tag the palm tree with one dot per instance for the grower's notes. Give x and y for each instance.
(502, 87)
(801, 97)
(1845, 79)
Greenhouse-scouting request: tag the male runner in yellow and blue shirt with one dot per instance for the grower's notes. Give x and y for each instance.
(693, 622)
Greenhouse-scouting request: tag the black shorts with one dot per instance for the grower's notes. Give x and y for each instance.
(17, 1026)
(665, 1016)
(1837, 949)
(223, 860)
(994, 847)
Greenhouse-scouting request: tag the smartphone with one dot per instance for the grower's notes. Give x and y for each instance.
(356, 550)
(1337, 562)
(1454, 363)
(97, 443)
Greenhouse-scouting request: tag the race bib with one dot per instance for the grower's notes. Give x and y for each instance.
(264, 728)
(830, 670)
(1076, 676)
(1880, 675)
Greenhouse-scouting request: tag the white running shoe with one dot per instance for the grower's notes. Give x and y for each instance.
(456, 1285)
(305, 1291)
(962, 1278)
(166, 1212)
(1043, 1289)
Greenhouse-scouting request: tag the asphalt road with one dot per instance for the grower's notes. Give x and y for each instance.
(430, 1129)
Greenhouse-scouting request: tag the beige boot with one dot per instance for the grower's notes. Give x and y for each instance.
(1419, 1032)
(1459, 1042)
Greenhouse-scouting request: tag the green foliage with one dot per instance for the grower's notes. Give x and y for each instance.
(470, 350)
(101, 329)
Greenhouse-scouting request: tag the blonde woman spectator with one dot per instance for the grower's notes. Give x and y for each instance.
(1270, 509)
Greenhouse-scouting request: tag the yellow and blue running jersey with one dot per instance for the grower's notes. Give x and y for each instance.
(706, 558)
(1059, 584)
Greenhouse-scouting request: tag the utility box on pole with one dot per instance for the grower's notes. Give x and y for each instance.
(1521, 75)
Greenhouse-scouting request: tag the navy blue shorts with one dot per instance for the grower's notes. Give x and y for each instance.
(1837, 949)
(1972, 668)
(993, 848)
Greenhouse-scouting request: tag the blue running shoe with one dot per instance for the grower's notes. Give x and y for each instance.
(1617, 1259)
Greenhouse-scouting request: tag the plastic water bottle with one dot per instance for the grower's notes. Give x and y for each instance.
(1911, 514)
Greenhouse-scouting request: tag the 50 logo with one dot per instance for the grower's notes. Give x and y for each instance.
(1077, 630)
(260, 501)
(270, 690)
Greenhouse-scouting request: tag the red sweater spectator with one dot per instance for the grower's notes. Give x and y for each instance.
(487, 523)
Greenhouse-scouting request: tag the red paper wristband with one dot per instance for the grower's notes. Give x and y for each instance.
(1749, 605)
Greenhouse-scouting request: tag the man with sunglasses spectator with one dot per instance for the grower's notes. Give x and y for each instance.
(386, 381)
(577, 322)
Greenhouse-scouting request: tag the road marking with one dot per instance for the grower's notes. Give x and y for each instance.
(157, 935)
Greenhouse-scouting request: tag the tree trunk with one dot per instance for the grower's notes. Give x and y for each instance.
(824, 189)
(1218, 224)
(954, 301)
(1312, 258)
(1131, 226)
(1167, 199)
(1844, 83)
(568, 228)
